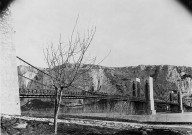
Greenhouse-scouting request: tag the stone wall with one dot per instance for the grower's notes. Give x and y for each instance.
(9, 89)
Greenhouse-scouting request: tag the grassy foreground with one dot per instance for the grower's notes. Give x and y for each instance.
(18, 126)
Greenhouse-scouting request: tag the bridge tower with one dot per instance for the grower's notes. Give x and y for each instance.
(180, 86)
(9, 88)
(136, 87)
(149, 96)
(180, 100)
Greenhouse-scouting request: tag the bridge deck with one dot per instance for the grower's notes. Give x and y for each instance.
(47, 93)
(85, 97)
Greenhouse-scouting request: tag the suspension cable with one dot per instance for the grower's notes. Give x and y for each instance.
(34, 80)
(35, 67)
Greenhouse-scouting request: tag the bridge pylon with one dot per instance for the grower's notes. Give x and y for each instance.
(180, 100)
(149, 96)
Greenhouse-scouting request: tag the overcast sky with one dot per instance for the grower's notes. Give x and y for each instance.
(149, 32)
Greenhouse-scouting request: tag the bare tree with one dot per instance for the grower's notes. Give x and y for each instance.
(65, 62)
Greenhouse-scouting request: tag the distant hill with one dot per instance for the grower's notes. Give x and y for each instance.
(117, 80)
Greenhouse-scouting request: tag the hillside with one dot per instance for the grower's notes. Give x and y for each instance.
(117, 80)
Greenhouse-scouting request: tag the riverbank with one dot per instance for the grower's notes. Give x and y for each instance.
(159, 118)
(72, 126)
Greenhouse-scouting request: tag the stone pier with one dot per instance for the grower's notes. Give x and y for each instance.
(180, 100)
(149, 96)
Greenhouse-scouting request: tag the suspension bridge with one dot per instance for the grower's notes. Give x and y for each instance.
(49, 92)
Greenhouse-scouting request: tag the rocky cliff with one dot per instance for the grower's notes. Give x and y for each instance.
(117, 80)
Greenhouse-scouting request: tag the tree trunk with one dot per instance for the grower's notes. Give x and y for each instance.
(57, 108)
(55, 111)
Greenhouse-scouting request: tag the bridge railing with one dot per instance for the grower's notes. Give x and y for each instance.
(25, 91)
(75, 94)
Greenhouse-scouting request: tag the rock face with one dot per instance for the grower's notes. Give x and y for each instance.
(166, 78)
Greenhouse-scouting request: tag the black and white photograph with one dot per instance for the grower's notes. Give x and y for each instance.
(96, 67)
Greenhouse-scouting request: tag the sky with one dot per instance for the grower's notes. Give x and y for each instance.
(148, 32)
